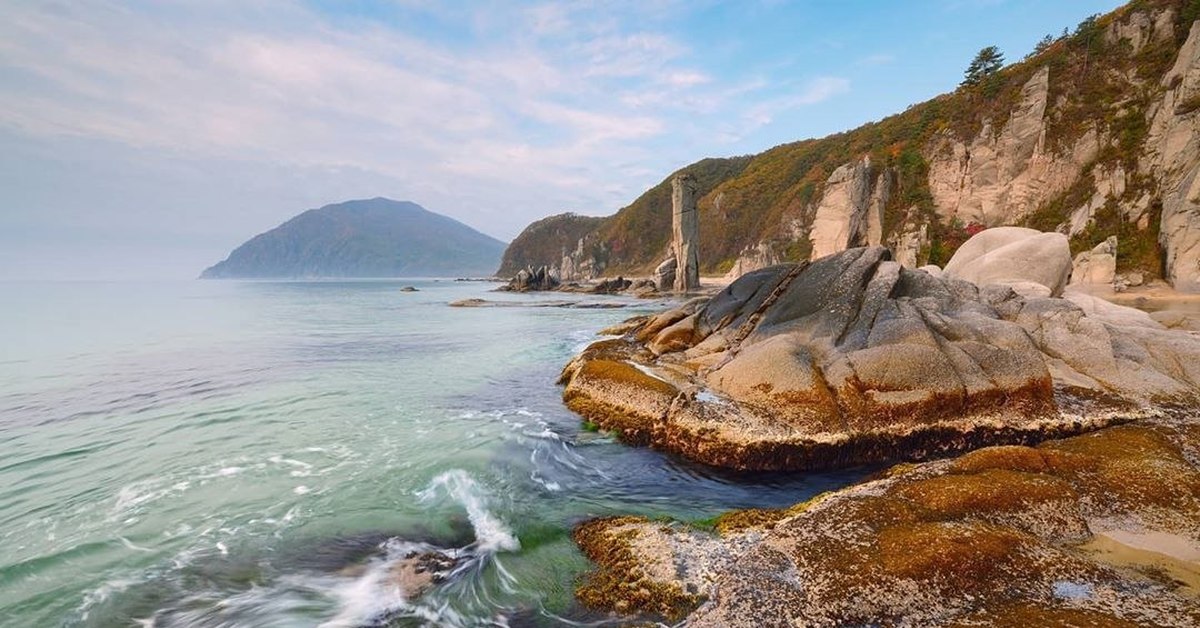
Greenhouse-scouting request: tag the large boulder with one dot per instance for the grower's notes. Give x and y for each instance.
(1097, 267)
(1029, 261)
(855, 359)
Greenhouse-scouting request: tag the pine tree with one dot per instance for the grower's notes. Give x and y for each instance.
(986, 63)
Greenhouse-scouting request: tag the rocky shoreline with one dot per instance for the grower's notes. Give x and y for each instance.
(1002, 536)
(855, 359)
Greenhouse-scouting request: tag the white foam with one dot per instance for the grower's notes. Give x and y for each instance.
(138, 548)
(491, 535)
(302, 490)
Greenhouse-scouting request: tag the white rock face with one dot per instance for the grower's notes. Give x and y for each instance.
(1097, 267)
(1173, 158)
(906, 248)
(851, 209)
(1002, 177)
(1031, 262)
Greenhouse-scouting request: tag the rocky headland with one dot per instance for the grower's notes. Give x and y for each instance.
(855, 359)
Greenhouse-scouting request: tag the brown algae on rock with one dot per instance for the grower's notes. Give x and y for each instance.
(1003, 536)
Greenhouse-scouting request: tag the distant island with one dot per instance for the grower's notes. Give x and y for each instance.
(378, 237)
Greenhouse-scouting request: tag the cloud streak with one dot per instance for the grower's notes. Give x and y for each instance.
(561, 106)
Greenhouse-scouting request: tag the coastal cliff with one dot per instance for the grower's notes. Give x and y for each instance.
(1094, 135)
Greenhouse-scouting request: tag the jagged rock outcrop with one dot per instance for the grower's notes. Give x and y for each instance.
(1004, 174)
(685, 233)
(854, 358)
(1096, 530)
(1029, 261)
(851, 209)
(531, 280)
(1173, 156)
(1097, 267)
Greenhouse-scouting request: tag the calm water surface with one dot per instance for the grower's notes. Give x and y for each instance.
(259, 454)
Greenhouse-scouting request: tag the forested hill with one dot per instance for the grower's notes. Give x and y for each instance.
(1093, 134)
(378, 237)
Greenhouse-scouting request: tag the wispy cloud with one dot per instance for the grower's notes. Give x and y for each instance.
(558, 106)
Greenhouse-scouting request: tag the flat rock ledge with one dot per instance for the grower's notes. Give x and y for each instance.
(854, 359)
(1101, 529)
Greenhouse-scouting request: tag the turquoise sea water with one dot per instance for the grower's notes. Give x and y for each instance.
(260, 453)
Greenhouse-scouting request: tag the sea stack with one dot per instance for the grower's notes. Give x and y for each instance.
(685, 233)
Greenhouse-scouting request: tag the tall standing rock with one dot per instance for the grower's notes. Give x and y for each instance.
(685, 230)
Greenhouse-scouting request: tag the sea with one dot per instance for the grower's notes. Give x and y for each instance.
(261, 454)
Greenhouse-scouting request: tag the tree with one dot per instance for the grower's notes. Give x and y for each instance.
(986, 63)
(1041, 46)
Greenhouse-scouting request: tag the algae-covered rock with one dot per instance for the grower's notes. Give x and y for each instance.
(855, 359)
(1002, 536)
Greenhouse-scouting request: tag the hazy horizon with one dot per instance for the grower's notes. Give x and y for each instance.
(147, 140)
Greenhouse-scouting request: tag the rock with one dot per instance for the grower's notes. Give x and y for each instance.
(1014, 256)
(1005, 174)
(685, 233)
(851, 209)
(1134, 279)
(664, 275)
(1002, 536)
(408, 289)
(1107, 312)
(1176, 319)
(417, 572)
(528, 280)
(931, 269)
(906, 247)
(611, 286)
(855, 359)
(1097, 267)
(1172, 150)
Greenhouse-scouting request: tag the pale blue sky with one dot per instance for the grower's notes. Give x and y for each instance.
(146, 138)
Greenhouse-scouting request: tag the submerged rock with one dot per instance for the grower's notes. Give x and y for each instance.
(1003, 536)
(854, 359)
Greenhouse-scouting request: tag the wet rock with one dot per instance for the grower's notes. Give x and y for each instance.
(417, 572)
(998, 537)
(854, 359)
(408, 289)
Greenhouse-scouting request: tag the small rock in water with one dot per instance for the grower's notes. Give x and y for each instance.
(418, 571)
(409, 289)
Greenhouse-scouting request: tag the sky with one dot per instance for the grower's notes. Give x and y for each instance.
(145, 139)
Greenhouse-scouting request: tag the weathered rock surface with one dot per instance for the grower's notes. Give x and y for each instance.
(664, 275)
(531, 279)
(851, 210)
(685, 233)
(1095, 530)
(1173, 155)
(854, 359)
(1097, 267)
(1029, 261)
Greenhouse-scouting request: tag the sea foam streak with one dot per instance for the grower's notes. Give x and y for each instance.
(375, 596)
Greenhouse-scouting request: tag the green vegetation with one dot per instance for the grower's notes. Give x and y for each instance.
(986, 64)
(1098, 85)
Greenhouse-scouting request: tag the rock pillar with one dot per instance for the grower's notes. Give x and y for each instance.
(685, 233)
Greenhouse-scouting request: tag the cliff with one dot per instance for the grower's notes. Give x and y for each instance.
(378, 237)
(1094, 135)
